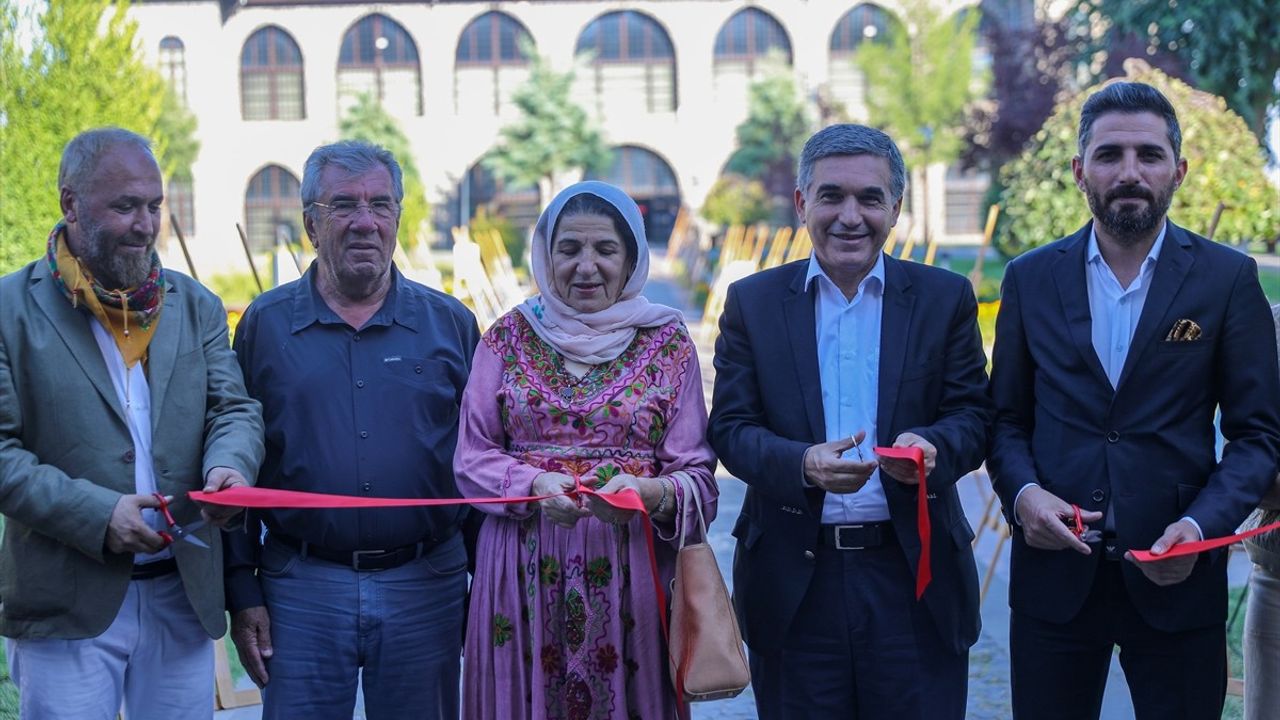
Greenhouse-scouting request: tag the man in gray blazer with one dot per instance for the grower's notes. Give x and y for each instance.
(117, 387)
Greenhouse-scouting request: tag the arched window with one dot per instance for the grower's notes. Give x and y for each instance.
(271, 77)
(864, 23)
(379, 58)
(627, 65)
(649, 180)
(173, 65)
(273, 209)
(748, 37)
(492, 61)
(179, 202)
(482, 191)
(747, 43)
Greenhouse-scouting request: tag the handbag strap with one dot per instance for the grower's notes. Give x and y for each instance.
(690, 494)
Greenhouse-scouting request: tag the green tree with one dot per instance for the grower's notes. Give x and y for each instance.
(920, 84)
(770, 139)
(60, 75)
(737, 200)
(1225, 164)
(1231, 49)
(177, 125)
(552, 135)
(369, 121)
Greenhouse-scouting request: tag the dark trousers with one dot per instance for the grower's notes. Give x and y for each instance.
(861, 648)
(1060, 671)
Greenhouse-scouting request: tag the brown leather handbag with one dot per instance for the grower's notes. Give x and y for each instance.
(706, 655)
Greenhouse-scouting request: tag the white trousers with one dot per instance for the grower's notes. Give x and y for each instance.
(155, 659)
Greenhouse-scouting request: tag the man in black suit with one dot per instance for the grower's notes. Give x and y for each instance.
(1114, 347)
(817, 362)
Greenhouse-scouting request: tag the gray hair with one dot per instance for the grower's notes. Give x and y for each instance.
(80, 156)
(849, 139)
(354, 156)
(1130, 98)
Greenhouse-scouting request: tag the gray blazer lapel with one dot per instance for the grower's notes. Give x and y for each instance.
(72, 326)
(1172, 267)
(802, 330)
(895, 328)
(1073, 290)
(163, 351)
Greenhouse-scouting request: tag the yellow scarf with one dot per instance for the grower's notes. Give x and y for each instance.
(132, 338)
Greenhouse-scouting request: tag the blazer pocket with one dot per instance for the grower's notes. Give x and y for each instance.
(1184, 346)
(931, 366)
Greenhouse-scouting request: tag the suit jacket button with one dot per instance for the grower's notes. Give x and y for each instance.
(128, 456)
(1113, 437)
(808, 554)
(1098, 495)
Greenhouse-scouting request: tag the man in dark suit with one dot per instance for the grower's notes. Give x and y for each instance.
(1114, 347)
(817, 362)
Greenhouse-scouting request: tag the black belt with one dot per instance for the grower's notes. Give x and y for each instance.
(363, 560)
(858, 536)
(153, 570)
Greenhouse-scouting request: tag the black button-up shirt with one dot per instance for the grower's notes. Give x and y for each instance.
(370, 412)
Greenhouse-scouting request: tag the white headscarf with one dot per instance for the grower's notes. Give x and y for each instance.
(601, 336)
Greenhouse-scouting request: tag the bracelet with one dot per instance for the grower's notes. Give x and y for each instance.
(662, 503)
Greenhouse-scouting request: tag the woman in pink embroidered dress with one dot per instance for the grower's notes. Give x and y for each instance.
(587, 381)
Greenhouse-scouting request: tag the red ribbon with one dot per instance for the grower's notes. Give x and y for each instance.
(924, 572)
(1200, 546)
(263, 498)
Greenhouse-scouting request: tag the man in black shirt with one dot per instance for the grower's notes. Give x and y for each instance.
(360, 372)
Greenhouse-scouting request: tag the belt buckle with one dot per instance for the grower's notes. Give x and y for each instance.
(357, 554)
(839, 530)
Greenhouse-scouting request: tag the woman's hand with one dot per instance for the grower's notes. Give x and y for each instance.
(561, 509)
(650, 490)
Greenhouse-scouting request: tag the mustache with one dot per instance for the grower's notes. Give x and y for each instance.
(1130, 192)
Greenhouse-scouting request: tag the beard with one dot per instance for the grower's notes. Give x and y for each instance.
(1129, 226)
(114, 270)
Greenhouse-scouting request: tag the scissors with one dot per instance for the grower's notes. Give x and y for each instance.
(176, 531)
(1076, 526)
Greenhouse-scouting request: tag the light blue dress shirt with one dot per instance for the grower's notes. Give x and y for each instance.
(849, 370)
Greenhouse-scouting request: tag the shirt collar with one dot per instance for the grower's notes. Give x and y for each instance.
(1094, 254)
(875, 278)
(310, 308)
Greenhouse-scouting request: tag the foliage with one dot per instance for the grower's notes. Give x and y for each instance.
(553, 134)
(1041, 202)
(1232, 49)
(369, 121)
(484, 221)
(1029, 68)
(178, 125)
(770, 139)
(74, 71)
(235, 289)
(736, 200)
(921, 80)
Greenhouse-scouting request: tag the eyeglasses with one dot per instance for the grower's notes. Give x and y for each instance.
(385, 209)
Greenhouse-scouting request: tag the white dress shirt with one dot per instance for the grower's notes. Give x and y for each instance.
(1114, 310)
(135, 397)
(849, 370)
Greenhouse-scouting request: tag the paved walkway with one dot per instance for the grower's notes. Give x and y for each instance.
(989, 658)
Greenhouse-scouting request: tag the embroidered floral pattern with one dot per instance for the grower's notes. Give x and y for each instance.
(501, 629)
(576, 591)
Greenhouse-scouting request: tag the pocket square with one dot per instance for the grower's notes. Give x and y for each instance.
(1183, 330)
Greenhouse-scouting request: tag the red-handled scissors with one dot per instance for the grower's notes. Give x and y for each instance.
(1078, 529)
(176, 531)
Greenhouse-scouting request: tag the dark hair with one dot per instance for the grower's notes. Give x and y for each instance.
(850, 139)
(1129, 98)
(589, 204)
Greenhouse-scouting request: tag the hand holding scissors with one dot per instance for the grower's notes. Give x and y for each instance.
(178, 532)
